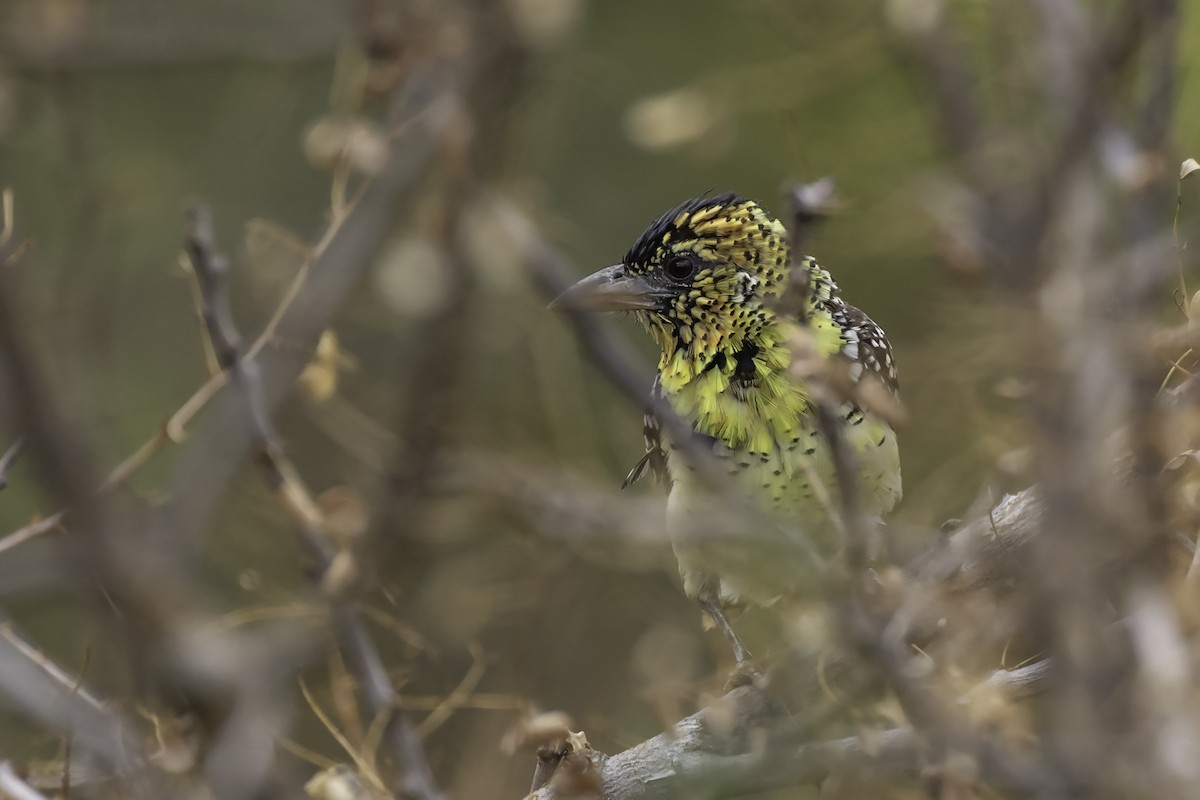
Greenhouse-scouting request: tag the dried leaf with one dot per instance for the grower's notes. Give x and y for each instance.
(413, 277)
(177, 743)
(339, 782)
(1179, 460)
(540, 729)
(670, 120)
(319, 379)
(355, 141)
(341, 576)
(345, 514)
(1194, 308)
(1188, 166)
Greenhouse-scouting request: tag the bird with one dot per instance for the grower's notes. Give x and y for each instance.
(708, 281)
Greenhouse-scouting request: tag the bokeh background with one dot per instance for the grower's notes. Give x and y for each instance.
(114, 116)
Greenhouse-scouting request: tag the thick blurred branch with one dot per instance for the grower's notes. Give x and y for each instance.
(729, 749)
(13, 787)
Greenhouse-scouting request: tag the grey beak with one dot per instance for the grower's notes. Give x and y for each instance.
(610, 289)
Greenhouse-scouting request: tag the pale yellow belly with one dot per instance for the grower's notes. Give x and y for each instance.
(759, 558)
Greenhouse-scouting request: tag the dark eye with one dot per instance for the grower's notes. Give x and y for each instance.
(681, 268)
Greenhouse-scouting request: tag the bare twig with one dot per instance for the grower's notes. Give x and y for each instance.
(211, 270)
(31, 531)
(9, 458)
(360, 652)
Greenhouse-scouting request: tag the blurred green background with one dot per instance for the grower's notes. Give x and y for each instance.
(112, 116)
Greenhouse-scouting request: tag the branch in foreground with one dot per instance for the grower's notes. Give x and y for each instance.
(703, 751)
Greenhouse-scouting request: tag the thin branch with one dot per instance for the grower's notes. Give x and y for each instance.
(9, 458)
(31, 531)
(211, 270)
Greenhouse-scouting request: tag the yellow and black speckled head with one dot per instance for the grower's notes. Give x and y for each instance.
(699, 278)
(707, 264)
(724, 233)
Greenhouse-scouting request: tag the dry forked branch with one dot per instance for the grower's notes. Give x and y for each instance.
(211, 269)
(157, 611)
(742, 744)
(438, 120)
(353, 234)
(174, 430)
(205, 468)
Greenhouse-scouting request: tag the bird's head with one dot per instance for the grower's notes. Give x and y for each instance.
(697, 279)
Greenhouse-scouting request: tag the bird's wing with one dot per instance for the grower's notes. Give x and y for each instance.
(866, 346)
(655, 457)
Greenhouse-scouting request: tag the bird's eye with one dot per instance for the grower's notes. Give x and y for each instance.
(681, 268)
